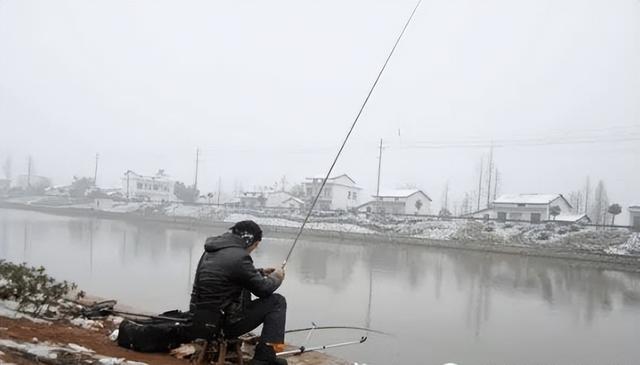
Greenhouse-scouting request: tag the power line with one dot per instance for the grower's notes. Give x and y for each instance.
(512, 143)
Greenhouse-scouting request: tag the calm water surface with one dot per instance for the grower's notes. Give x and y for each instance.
(442, 305)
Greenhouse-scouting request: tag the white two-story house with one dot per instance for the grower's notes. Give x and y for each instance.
(339, 193)
(158, 187)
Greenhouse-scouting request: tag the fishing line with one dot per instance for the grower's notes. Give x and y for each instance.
(353, 125)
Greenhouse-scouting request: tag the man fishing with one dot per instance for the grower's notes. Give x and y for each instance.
(226, 278)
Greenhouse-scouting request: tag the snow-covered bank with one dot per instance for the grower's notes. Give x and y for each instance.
(615, 242)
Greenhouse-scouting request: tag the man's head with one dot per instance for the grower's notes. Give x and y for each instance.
(250, 232)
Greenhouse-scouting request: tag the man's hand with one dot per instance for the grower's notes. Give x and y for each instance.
(278, 274)
(268, 270)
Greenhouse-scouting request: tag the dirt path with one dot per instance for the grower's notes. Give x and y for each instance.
(23, 330)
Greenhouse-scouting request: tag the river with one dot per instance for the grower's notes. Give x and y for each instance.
(442, 305)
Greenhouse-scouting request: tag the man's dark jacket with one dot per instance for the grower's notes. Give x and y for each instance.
(226, 275)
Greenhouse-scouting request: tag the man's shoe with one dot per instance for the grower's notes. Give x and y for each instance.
(266, 355)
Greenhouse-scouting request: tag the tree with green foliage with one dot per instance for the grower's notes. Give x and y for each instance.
(186, 193)
(614, 210)
(80, 186)
(418, 205)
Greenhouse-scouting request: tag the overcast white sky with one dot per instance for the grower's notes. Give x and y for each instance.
(269, 88)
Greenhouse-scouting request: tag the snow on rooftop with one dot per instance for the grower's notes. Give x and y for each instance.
(570, 217)
(397, 193)
(527, 198)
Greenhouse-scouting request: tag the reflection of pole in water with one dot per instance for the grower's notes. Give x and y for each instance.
(368, 318)
(5, 244)
(189, 271)
(123, 250)
(24, 243)
(91, 247)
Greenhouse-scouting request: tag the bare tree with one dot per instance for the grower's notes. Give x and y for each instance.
(576, 200)
(466, 204)
(479, 196)
(555, 211)
(598, 211)
(6, 168)
(587, 190)
(445, 196)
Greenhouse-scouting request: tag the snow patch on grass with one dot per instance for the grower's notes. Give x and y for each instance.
(8, 309)
(36, 349)
(631, 246)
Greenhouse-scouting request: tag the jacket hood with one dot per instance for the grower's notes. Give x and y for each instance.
(225, 240)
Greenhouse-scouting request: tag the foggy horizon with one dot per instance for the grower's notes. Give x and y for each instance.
(269, 90)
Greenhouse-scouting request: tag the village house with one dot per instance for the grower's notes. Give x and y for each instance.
(5, 185)
(403, 201)
(339, 193)
(252, 199)
(534, 208)
(282, 199)
(634, 217)
(32, 181)
(154, 188)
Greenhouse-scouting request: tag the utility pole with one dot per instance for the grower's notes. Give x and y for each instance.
(219, 184)
(128, 172)
(378, 185)
(446, 196)
(29, 172)
(586, 196)
(95, 172)
(490, 167)
(480, 183)
(195, 181)
(495, 185)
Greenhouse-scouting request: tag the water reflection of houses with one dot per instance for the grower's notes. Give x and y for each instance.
(330, 267)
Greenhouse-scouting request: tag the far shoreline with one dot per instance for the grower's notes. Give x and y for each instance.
(629, 263)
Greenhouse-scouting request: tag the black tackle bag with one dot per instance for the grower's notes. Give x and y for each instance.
(154, 334)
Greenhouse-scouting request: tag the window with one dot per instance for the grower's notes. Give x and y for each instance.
(139, 185)
(522, 205)
(502, 216)
(354, 195)
(348, 195)
(396, 199)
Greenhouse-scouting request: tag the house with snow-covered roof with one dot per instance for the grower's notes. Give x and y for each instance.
(282, 199)
(534, 208)
(634, 217)
(339, 193)
(399, 201)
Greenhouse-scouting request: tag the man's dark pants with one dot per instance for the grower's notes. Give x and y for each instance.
(270, 311)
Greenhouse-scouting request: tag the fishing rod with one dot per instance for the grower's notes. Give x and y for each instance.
(314, 328)
(302, 349)
(105, 308)
(353, 125)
